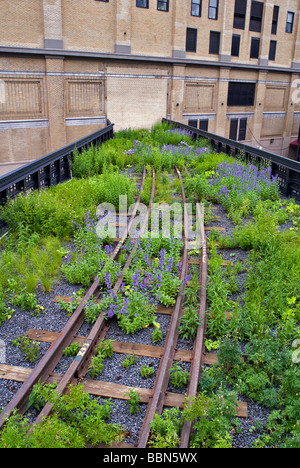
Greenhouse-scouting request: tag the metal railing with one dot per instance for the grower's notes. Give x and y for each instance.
(287, 170)
(50, 169)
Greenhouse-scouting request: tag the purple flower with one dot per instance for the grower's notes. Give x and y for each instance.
(170, 264)
(107, 280)
(135, 280)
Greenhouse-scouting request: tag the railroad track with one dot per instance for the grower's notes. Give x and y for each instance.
(156, 398)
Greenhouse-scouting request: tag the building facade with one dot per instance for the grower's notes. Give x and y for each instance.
(231, 67)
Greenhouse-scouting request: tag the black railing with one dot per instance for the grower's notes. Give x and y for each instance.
(50, 169)
(287, 170)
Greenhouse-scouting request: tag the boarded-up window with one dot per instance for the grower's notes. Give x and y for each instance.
(20, 98)
(85, 97)
(275, 98)
(272, 125)
(199, 97)
(296, 123)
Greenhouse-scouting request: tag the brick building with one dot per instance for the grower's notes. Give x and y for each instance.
(229, 66)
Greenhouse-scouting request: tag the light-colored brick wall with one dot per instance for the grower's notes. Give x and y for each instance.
(52, 99)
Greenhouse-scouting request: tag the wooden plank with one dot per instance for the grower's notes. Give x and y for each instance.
(113, 390)
(118, 224)
(18, 374)
(210, 358)
(118, 346)
(164, 310)
(49, 337)
(194, 261)
(209, 228)
(107, 389)
(137, 349)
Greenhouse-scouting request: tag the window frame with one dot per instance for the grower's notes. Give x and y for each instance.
(255, 48)
(203, 124)
(241, 94)
(199, 5)
(275, 19)
(214, 48)
(240, 12)
(141, 6)
(237, 45)
(238, 129)
(195, 31)
(255, 24)
(161, 3)
(291, 23)
(272, 50)
(214, 8)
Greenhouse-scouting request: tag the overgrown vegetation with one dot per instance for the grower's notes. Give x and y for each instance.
(52, 235)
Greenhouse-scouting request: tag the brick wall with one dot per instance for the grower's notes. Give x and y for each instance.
(139, 71)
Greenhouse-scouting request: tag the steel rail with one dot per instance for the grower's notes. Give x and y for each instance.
(198, 349)
(51, 358)
(156, 401)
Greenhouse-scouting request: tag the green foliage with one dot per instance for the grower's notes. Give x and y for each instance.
(146, 371)
(129, 361)
(213, 416)
(103, 350)
(5, 311)
(179, 377)
(165, 429)
(72, 350)
(76, 420)
(134, 400)
(27, 261)
(53, 211)
(157, 335)
(28, 347)
(139, 313)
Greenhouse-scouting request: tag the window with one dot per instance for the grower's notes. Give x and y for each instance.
(272, 52)
(290, 22)
(213, 9)
(241, 94)
(142, 3)
(235, 46)
(238, 129)
(191, 40)
(257, 10)
(196, 7)
(214, 42)
(193, 123)
(240, 14)
(255, 45)
(163, 5)
(203, 124)
(275, 19)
